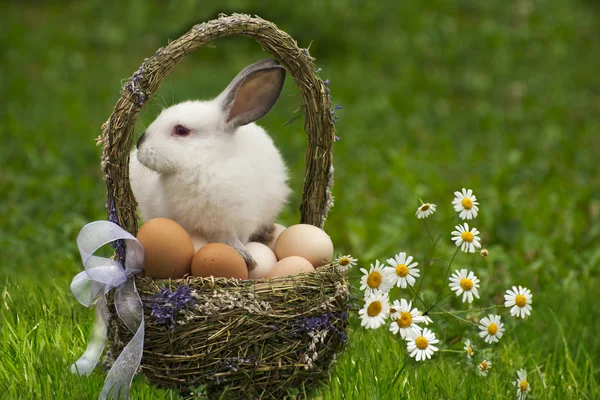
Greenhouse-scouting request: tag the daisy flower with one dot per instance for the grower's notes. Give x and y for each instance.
(491, 328)
(468, 348)
(522, 385)
(402, 271)
(466, 238)
(520, 301)
(466, 204)
(375, 311)
(375, 279)
(344, 263)
(425, 210)
(483, 367)
(464, 284)
(420, 344)
(405, 320)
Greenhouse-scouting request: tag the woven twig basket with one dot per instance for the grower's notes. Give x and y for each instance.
(234, 338)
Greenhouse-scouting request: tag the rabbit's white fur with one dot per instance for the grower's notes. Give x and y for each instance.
(225, 183)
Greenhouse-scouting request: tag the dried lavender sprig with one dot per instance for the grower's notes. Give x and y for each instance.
(166, 304)
(118, 245)
(323, 322)
(135, 84)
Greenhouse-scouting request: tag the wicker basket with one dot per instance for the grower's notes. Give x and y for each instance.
(234, 338)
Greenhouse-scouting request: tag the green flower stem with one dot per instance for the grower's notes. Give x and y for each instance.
(431, 252)
(438, 301)
(456, 316)
(428, 232)
(464, 311)
(443, 296)
(450, 264)
(416, 296)
(444, 256)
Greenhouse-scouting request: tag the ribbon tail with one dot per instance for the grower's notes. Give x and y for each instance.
(118, 380)
(88, 361)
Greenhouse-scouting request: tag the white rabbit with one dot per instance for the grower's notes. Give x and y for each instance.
(207, 166)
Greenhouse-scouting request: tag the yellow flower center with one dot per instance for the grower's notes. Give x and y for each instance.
(469, 351)
(466, 284)
(467, 203)
(405, 320)
(483, 366)
(520, 300)
(401, 270)
(523, 386)
(467, 236)
(492, 329)
(421, 343)
(425, 207)
(374, 280)
(344, 261)
(374, 309)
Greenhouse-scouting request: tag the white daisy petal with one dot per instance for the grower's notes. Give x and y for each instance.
(401, 271)
(376, 279)
(522, 385)
(466, 239)
(468, 348)
(464, 283)
(420, 344)
(465, 203)
(491, 329)
(483, 367)
(375, 311)
(425, 210)
(344, 263)
(519, 300)
(405, 319)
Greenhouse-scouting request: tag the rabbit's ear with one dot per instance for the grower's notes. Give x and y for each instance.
(252, 93)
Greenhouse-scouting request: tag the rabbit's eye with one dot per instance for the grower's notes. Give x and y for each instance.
(180, 130)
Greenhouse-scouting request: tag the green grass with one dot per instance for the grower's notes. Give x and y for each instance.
(501, 97)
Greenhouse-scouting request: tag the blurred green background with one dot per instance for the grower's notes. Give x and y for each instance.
(499, 97)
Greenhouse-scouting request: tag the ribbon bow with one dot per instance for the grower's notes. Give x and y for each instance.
(101, 275)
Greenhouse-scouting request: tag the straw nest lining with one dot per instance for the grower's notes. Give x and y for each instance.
(236, 339)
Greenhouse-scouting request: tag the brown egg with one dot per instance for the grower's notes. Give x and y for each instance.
(219, 260)
(292, 265)
(168, 249)
(306, 241)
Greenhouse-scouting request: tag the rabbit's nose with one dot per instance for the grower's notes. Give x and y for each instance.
(140, 140)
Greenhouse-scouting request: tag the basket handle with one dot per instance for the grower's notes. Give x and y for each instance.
(118, 131)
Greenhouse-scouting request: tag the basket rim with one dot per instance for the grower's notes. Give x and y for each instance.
(118, 131)
(324, 269)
